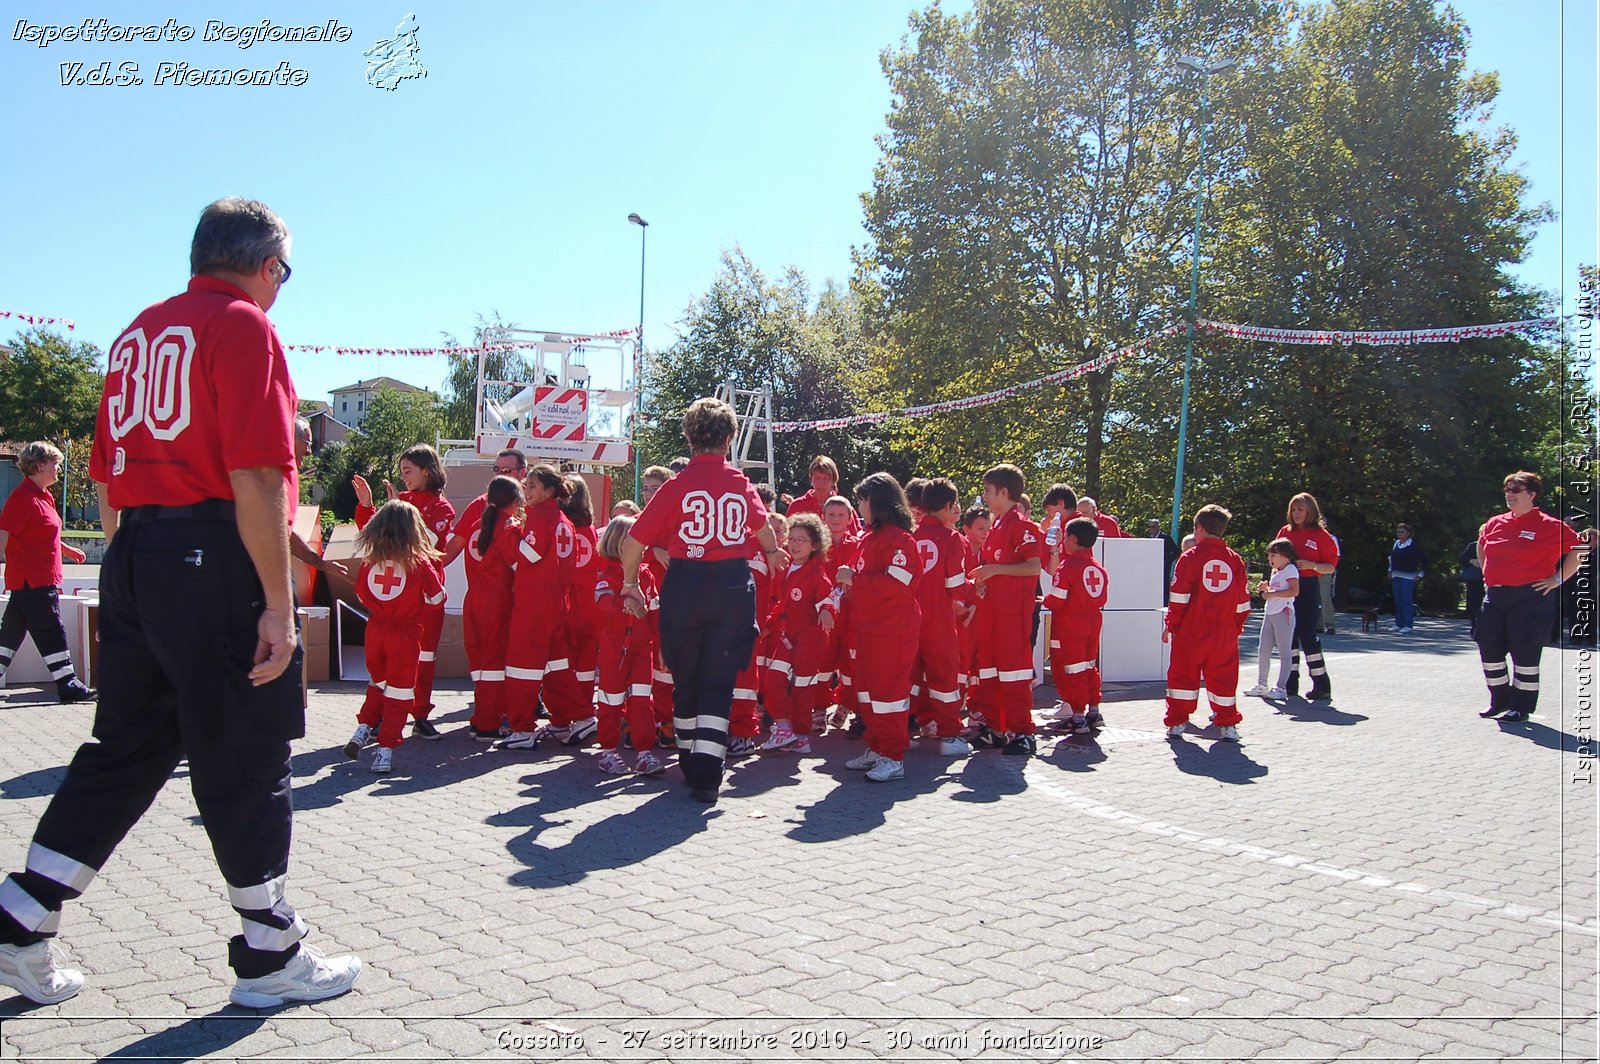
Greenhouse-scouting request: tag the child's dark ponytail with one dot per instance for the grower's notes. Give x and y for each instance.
(503, 492)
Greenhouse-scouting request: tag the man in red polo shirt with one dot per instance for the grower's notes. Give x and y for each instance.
(1526, 554)
(195, 465)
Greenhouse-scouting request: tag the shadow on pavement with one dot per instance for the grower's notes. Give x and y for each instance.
(629, 837)
(419, 765)
(1298, 709)
(856, 805)
(1223, 761)
(1075, 753)
(1542, 734)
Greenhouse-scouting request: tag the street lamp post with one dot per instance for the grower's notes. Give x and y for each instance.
(1205, 70)
(638, 361)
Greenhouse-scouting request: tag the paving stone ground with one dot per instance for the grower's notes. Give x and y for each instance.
(1383, 877)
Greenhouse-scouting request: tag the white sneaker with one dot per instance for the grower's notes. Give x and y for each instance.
(1258, 691)
(549, 733)
(1231, 734)
(1061, 712)
(612, 764)
(782, 736)
(865, 761)
(35, 972)
(886, 769)
(649, 764)
(1176, 731)
(383, 759)
(581, 732)
(956, 747)
(309, 976)
(361, 738)
(801, 745)
(1080, 725)
(1277, 694)
(519, 740)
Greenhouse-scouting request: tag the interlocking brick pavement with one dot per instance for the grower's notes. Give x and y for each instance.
(1383, 877)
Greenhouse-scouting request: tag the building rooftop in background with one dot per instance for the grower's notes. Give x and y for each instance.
(350, 403)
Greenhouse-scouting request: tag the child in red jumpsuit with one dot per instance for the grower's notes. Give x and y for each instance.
(544, 574)
(881, 590)
(798, 624)
(422, 474)
(397, 584)
(936, 679)
(627, 651)
(1076, 600)
(1208, 608)
(569, 692)
(490, 560)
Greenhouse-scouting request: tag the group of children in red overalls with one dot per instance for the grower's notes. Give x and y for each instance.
(900, 616)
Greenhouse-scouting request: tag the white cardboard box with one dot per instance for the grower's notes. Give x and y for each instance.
(1131, 647)
(1136, 568)
(27, 668)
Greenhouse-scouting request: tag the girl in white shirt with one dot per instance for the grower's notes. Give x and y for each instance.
(1277, 621)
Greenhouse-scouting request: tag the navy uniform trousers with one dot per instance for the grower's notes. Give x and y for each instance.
(179, 605)
(1307, 642)
(1514, 621)
(36, 611)
(708, 634)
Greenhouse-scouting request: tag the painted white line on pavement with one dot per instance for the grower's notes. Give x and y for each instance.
(1036, 778)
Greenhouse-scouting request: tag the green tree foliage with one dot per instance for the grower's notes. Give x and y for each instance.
(754, 331)
(1026, 216)
(1033, 207)
(49, 387)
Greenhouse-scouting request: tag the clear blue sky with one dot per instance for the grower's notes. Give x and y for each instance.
(504, 179)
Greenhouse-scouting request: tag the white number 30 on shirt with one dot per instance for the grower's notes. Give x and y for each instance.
(154, 384)
(705, 519)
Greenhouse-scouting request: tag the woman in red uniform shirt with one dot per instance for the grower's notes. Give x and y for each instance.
(702, 517)
(1318, 556)
(1526, 554)
(31, 547)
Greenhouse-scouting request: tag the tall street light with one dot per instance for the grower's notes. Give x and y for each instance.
(1205, 70)
(638, 361)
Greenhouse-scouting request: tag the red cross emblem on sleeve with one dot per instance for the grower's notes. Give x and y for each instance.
(930, 553)
(386, 581)
(1217, 576)
(564, 538)
(1094, 581)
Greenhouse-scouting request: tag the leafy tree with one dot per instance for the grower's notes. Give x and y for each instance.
(49, 387)
(753, 331)
(1023, 216)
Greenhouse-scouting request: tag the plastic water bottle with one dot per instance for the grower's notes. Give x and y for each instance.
(1052, 535)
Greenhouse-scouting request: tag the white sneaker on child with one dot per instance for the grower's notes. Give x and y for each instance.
(649, 764)
(612, 763)
(956, 747)
(383, 759)
(1230, 733)
(886, 769)
(1258, 691)
(1277, 694)
(801, 745)
(782, 736)
(361, 738)
(865, 761)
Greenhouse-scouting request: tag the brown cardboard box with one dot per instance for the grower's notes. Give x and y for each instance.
(341, 547)
(308, 526)
(452, 660)
(92, 666)
(314, 638)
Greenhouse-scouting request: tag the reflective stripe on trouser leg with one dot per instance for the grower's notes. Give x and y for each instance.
(53, 878)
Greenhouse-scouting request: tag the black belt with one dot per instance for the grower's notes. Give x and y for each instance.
(209, 510)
